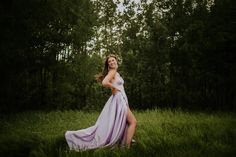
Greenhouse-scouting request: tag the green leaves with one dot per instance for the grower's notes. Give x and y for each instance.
(176, 53)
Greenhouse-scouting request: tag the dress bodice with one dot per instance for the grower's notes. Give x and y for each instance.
(118, 83)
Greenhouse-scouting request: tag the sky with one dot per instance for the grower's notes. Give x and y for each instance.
(120, 6)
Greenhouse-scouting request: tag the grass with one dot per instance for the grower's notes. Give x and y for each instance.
(162, 133)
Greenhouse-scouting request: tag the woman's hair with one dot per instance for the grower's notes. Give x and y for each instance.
(103, 74)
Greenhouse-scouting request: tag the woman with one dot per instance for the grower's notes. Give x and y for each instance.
(116, 124)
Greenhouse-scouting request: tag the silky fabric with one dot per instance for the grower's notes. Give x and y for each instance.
(111, 126)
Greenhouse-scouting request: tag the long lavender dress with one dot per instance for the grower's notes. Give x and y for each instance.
(110, 127)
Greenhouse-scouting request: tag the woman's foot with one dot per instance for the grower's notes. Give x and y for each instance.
(133, 141)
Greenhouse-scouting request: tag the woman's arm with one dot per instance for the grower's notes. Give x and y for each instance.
(107, 81)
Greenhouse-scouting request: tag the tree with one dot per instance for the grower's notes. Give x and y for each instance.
(38, 37)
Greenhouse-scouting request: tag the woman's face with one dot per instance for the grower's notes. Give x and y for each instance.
(112, 63)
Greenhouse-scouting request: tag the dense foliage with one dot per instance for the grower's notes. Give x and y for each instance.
(173, 53)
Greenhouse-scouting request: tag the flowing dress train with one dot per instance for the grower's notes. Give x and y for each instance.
(110, 127)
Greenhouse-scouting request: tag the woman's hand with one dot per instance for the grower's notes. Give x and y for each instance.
(114, 91)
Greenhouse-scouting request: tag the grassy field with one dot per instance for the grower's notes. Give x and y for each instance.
(162, 133)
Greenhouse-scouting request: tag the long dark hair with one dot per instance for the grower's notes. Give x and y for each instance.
(103, 74)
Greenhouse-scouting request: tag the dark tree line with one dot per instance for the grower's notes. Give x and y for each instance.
(173, 53)
(187, 59)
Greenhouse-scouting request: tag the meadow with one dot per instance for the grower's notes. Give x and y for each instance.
(160, 132)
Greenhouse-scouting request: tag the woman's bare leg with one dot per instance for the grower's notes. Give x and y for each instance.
(131, 128)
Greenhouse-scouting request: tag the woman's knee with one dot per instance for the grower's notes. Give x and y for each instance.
(134, 122)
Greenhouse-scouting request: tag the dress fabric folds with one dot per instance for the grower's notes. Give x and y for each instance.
(110, 127)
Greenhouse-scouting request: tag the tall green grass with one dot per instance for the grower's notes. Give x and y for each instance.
(162, 133)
